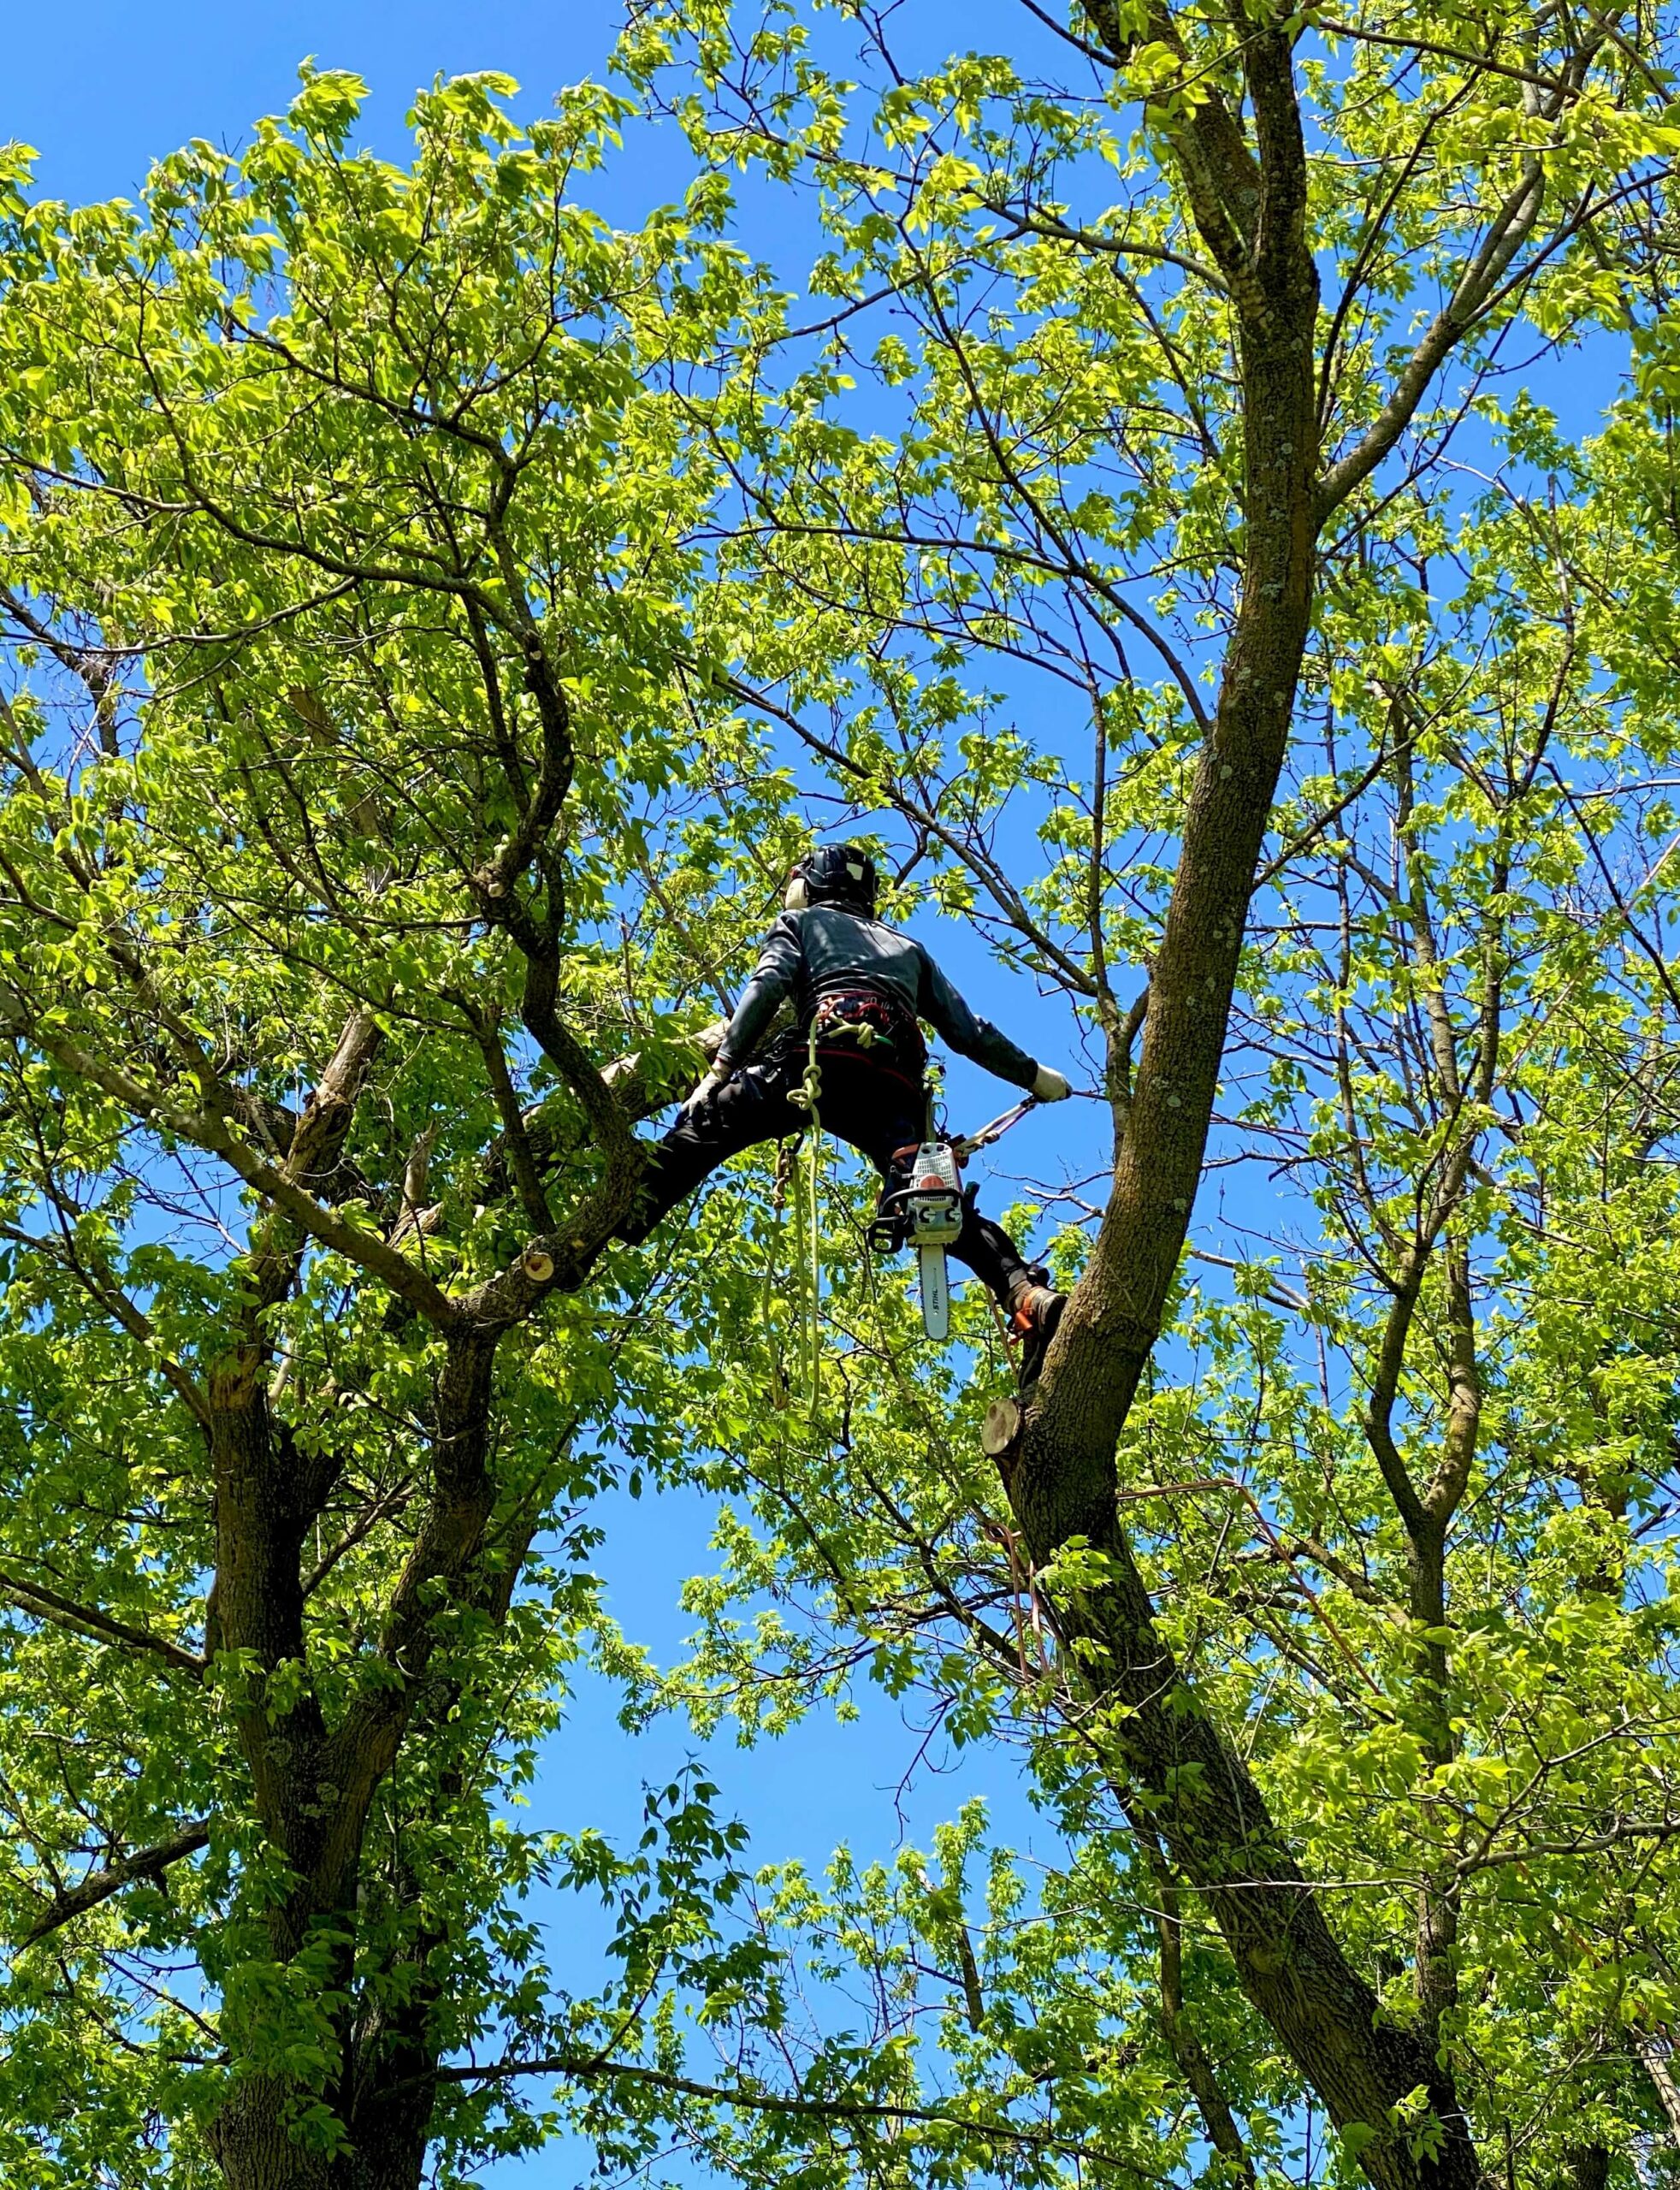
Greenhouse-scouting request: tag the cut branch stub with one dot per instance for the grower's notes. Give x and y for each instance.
(1000, 1428)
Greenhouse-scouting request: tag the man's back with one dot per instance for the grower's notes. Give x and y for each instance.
(837, 946)
(818, 949)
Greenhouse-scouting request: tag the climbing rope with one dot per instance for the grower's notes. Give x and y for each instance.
(808, 1200)
(768, 1321)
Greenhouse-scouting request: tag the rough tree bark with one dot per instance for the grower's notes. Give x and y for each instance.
(1164, 1753)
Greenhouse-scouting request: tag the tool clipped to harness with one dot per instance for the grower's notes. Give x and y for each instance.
(926, 1212)
(932, 1217)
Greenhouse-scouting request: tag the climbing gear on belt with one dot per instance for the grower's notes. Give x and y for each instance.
(870, 1020)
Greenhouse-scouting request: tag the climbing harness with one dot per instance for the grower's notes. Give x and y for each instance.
(843, 1011)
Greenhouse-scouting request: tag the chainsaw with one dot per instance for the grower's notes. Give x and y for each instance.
(926, 1213)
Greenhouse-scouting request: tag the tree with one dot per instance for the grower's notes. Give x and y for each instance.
(419, 596)
(355, 633)
(1154, 391)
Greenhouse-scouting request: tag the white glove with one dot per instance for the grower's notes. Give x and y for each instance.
(718, 1076)
(1050, 1087)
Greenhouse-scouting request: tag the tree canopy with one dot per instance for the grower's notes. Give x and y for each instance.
(1203, 505)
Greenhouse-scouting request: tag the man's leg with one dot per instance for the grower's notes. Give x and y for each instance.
(1022, 1289)
(749, 1109)
(996, 1260)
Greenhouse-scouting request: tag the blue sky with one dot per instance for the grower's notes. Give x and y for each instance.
(102, 88)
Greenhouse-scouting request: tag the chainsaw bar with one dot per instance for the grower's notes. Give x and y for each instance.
(936, 1293)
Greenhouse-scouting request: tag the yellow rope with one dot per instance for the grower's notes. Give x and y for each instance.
(768, 1320)
(807, 1252)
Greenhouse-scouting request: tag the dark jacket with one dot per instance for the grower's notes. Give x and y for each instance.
(823, 948)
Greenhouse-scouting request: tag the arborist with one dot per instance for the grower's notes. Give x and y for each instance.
(860, 990)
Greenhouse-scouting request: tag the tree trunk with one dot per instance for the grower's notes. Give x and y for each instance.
(251, 2143)
(1164, 1751)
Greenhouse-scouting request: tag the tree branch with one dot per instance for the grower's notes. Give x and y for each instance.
(1511, 227)
(206, 1130)
(590, 2068)
(47, 1604)
(101, 1884)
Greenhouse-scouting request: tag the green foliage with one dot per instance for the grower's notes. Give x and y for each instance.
(341, 497)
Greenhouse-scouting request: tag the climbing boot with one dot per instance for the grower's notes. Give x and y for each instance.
(1037, 1314)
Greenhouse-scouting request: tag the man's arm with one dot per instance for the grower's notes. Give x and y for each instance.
(773, 977)
(944, 1010)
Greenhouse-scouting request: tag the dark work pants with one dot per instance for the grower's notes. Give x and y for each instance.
(878, 1111)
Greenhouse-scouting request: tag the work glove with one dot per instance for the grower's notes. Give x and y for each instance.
(718, 1076)
(1050, 1087)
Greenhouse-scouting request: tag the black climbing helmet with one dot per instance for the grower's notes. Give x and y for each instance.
(840, 874)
